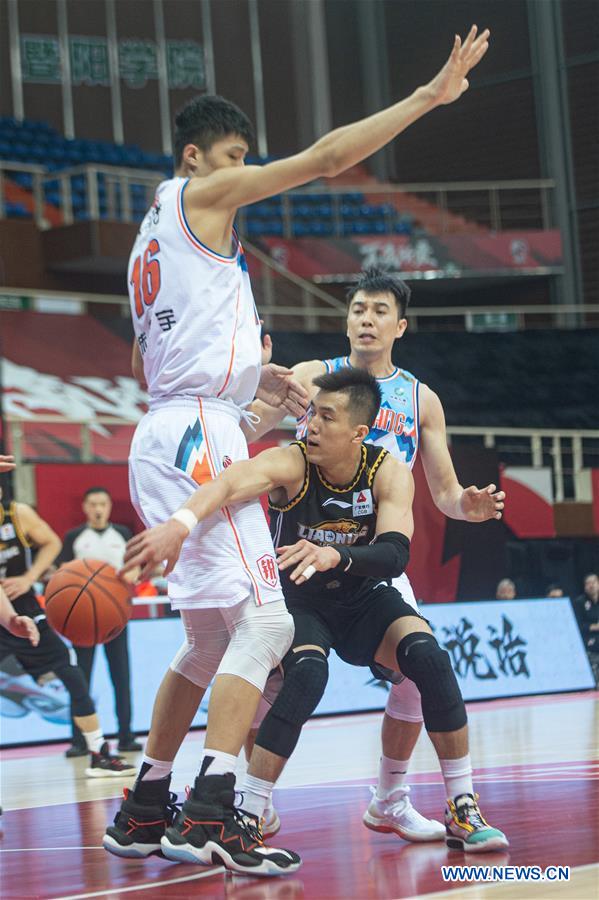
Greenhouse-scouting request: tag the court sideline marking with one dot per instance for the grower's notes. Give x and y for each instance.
(220, 870)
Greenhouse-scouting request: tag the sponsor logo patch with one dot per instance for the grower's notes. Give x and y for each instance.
(362, 505)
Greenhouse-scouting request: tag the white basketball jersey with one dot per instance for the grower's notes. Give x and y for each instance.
(193, 311)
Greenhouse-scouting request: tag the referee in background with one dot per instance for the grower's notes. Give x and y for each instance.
(100, 539)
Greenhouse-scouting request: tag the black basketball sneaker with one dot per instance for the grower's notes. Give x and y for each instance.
(209, 829)
(105, 765)
(140, 823)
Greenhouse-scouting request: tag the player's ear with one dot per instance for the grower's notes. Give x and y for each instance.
(191, 156)
(401, 328)
(361, 433)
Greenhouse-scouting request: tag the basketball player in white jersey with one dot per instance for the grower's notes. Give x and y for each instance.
(198, 341)
(410, 421)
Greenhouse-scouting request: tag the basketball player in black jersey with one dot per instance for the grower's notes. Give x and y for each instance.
(342, 523)
(21, 529)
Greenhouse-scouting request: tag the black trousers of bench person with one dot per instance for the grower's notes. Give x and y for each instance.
(117, 657)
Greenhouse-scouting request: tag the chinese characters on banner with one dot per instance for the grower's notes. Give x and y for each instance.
(507, 651)
(138, 61)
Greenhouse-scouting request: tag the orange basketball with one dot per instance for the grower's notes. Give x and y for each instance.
(87, 602)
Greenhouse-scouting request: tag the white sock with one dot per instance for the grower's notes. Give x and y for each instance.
(157, 769)
(94, 740)
(392, 776)
(215, 762)
(256, 795)
(457, 774)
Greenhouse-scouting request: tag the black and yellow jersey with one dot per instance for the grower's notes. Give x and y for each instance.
(330, 516)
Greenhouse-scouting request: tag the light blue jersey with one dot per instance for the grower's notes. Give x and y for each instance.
(397, 426)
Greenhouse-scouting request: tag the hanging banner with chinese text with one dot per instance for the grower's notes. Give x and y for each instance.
(423, 256)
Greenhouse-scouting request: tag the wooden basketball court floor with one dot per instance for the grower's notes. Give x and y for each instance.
(537, 771)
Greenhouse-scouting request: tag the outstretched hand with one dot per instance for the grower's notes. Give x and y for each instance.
(451, 82)
(481, 504)
(278, 388)
(150, 548)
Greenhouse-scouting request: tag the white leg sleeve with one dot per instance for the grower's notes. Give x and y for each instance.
(206, 639)
(260, 638)
(404, 702)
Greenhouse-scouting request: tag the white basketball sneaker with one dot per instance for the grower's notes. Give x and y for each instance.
(396, 814)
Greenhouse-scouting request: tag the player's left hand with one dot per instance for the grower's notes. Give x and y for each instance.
(24, 627)
(306, 556)
(7, 463)
(450, 83)
(481, 504)
(278, 387)
(150, 548)
(16, 586)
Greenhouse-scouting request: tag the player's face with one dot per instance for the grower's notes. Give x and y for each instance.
(331, 432)
(373, 323)
(225, 153)
(97, 508)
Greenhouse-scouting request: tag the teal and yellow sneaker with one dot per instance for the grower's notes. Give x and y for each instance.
(467, 830)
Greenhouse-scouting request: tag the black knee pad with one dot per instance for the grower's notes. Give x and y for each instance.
(422, 661)
(75, 682)
(306, 676)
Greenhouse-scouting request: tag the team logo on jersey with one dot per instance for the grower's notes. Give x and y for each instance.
(267, 569)
(227, 461)
(7, 532)
(342, 531)
(192, 455)
(362, 505)
(332, 501)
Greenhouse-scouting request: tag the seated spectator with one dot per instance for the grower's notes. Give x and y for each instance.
(554, 590)
(506, 590)
(586, 608)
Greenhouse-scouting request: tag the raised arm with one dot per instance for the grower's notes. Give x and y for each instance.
(244, 480)
(230, 188)
(471, 504)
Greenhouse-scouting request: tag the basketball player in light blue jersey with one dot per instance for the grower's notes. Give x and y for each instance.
(410, 421)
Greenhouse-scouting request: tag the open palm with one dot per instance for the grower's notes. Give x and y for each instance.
(451, 82)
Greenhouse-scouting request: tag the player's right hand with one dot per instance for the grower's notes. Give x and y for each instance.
(24, 627)
(151, 548)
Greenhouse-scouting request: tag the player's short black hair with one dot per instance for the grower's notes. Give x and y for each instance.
(362, 389)
(377, 281)
(96, 490)
(206, 119)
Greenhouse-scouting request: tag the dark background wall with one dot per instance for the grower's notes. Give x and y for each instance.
(494, 136)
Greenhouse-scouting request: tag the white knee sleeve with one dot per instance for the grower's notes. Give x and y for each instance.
(206, 639)
(404, 702)
(260, 638)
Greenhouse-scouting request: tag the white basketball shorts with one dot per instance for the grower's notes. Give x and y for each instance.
(179, 445)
